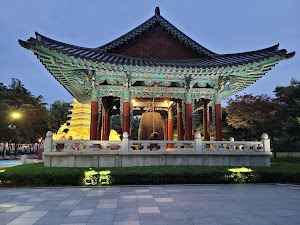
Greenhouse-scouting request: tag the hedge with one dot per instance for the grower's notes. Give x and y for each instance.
(37, 175)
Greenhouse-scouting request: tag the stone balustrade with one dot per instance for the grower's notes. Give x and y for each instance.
(88, 153)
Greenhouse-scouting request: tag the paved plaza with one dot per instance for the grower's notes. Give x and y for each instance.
(152, 205)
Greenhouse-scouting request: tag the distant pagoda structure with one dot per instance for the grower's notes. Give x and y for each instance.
(78, 125)
(79, 122)
(155, 62)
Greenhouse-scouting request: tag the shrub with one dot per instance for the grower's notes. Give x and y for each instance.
(38, 175)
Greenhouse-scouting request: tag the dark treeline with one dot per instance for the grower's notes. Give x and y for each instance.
(35, 118)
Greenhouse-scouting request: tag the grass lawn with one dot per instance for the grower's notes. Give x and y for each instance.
(283, 170)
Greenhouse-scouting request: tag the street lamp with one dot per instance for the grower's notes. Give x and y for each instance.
(14, 116)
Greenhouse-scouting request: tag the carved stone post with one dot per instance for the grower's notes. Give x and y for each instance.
(198, 142)
(266, 142)
(48, 144)
(125, 142)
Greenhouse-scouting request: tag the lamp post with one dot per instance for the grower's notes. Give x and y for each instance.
(14, 116)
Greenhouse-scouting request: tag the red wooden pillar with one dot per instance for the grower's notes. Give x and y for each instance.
(99, 125)
(206, 121)
(166, 129)
(218, 113)
(126, 117)
(106, 125)
(170, 127)
(94, 120)
(188, 121)
(179, 123)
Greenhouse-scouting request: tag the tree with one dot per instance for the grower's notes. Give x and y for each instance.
(32, 124)
(58, 115)
(254, 115)
(289, 97)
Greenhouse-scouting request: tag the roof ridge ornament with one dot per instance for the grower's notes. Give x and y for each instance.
(157, 11)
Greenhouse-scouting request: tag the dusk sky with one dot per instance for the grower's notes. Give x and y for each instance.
(221, 26)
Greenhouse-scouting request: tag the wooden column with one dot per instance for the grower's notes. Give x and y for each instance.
(166, 129)
(218, 113)
(206, 129)
(126, 117)
(170, 127)
(99, 125)
(188, 121)
(179, 123)
(106, 125)
(94, 120)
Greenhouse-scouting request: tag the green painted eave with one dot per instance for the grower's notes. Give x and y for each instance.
(76, 74)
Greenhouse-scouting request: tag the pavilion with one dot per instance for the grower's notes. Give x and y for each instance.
(153, 65)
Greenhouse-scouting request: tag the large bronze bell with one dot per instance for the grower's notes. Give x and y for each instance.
(151, 127)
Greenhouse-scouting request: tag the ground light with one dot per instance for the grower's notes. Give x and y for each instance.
(241, 175)
(93, 177)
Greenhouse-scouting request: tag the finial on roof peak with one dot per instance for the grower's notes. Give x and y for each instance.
(157, 11)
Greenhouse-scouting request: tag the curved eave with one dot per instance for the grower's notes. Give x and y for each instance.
(93, 56)
(46, 50)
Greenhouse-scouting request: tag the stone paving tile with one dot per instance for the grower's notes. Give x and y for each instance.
(146, 204)
(50, 220)
(20, 209)
(155, 205)
(74, 224)
(173, 215)
(38, 214)
(104, 211)
(179, 222)
(148, 210)
(24, 221)
(100, 223)
(163, 199)
(170, 209)
(127, 205)
(86, 206)
(126, 210)
(126, 217)
(58, 213)
(107, 206)
(76, 219)
(205, 221)
(150, 216)
(81, 212)
(106, 218)
(127, 223)
(154, 222)
(6, 217)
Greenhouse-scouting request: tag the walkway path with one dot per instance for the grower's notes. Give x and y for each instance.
(152, 205)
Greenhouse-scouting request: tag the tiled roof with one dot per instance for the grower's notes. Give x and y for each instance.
(102, 54)
(217, 60)
(156, 19)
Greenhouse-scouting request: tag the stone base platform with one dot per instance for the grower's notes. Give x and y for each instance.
(118, 159)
